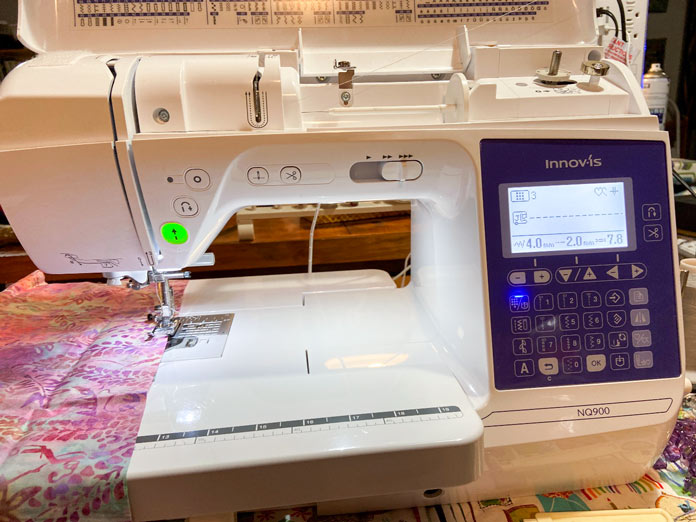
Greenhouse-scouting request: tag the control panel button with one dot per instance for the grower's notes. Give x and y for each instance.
(588, 274)
(613, 272)
(596, 362)
(548, 366)
(591, 299)
(572, 364)
(619, 361)
(640, 317)
(290, 175)
(643, 360)
(569, 322)
(185, 206)
(197, 179)
(543, 302)
(638, 296)
(522, 346)
(637, 271)
(541, 277)
(652, 233)
(567, 300)
(564, 274)
(592, 320)
(641, 338)
(545, 323)
(615, 298)
(519, 303)
(546, 344)
(594, 341)
(652, 212)
(616, 318)
(618, 340)
(570, 343)
(521, 325)
(257, 176)
(174, 233)
(524, 368)
(517, 278)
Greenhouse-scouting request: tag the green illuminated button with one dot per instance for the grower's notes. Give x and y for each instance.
(174, 233)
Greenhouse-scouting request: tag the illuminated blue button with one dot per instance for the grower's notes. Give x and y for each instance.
(519, 303)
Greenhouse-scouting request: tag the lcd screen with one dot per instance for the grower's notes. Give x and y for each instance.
(575, 217)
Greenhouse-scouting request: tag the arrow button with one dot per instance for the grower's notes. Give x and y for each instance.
(613, 272)
(589, 275)
(565, 273)
(636, 271)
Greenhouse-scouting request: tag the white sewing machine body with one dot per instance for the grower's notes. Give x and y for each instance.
(506, 366)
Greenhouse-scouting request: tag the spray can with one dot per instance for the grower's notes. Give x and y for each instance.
(656, 92)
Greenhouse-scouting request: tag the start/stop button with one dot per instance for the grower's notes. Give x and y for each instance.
(197, 179)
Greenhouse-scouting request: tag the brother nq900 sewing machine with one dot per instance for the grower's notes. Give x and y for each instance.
(538, 346)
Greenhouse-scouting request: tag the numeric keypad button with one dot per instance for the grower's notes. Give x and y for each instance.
(569, 322)
(545, 323)
(594, 341)
(592, 320)
(570, 343)
(546, 344)
(615, 298)
(567, 300)
(591, 299)
(543, 302)
(522, 346)
(596, 362)
(572, 364)
(616, 318)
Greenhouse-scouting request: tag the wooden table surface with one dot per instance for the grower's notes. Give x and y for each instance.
(280, 246)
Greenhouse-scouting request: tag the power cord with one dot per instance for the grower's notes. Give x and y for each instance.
(681, 180)
(622, 15)
(602, 11)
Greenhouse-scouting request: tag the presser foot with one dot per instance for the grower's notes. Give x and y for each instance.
(163, 316)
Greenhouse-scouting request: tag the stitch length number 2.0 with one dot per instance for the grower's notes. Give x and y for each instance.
(599, 411)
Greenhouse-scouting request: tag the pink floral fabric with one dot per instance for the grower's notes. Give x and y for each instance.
(75, 368)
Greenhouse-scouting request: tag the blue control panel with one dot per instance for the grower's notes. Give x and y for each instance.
(580, 266)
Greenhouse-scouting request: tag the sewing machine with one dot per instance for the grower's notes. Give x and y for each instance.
(539, 344)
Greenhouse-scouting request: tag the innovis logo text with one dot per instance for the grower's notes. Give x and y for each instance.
(574, 163)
